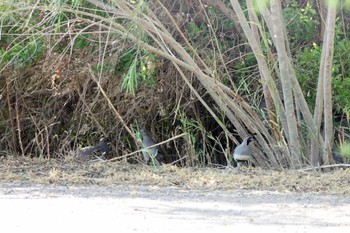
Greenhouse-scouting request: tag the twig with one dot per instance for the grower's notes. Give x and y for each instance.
(178, 160)
(325, 166)
(82, 98)
(47, 143)
(19, 126)
(110, 103)
(132, 153)
(10, 113)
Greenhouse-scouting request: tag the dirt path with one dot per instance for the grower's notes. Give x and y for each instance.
(41, 208)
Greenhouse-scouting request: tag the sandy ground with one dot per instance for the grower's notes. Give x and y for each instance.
(28, 207)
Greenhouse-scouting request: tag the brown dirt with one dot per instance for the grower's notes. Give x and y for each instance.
(71, 172)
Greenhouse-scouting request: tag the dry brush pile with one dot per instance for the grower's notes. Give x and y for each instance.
(54, 105)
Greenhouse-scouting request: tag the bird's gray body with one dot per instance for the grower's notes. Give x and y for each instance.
(242, 152)
(148, 153)
(101, 149)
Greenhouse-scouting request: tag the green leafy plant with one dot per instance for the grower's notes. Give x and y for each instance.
(23, 54)
(301, 22)
(137, 68)
(308, 63)
(345, 152)
(307, 71)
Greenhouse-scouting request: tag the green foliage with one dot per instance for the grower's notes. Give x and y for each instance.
(22, 54)
(196, 138)
(345, 151)
(347, 5)
(308, 65)
(308, 70)
(243, 66)
(194, 30)
(6, 14)
(256, 4)
(341, 95)
(81, 42)
(243, 73)
(136, 67)
(332, 3)
(301, 22)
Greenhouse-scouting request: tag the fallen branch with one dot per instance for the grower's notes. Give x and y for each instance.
(343, 165)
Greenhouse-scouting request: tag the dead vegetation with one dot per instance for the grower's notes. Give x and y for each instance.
(53, 105)
(70, 172)
(64, 109)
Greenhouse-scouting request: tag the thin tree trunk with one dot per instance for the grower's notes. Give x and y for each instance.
(323, 14)
(327, 83)
(277, 33)
(263, 68)
(287, 44)
(253, 21)
(315, 145)
(271, 111)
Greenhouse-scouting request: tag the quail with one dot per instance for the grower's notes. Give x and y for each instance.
(242, 152)
(149, 154)
(101, 149)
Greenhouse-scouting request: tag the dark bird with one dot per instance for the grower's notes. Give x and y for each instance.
(149, 154)
(100, 150)
(242, 152)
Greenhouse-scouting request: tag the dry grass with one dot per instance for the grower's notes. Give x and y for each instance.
(70, 172)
